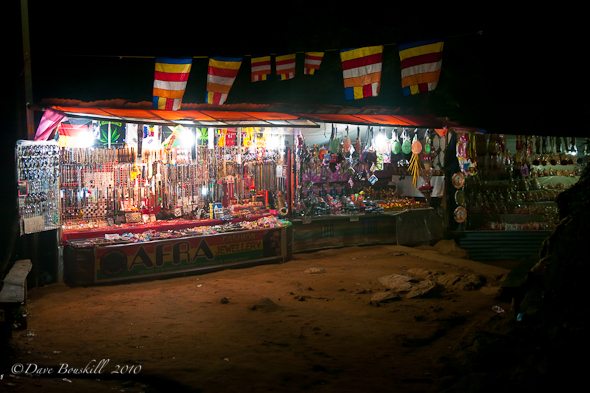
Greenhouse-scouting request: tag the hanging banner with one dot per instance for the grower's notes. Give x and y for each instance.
(221, 75)
(313, 61)
(361, 70)
(260, 68)
(420, 64)
(285, 66)
(170, 80)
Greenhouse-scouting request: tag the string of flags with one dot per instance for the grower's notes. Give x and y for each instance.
(420, 64)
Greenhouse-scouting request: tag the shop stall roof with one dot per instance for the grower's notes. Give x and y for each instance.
(378, 120)
(204, 118)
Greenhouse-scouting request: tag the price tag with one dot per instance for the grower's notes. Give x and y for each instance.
(354, 219)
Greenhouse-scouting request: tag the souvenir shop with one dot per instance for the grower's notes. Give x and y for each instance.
(503, 192)
(140, 193)
(368, 179)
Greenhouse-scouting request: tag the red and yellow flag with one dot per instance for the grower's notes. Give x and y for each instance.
(420, 64)
(361, 70)
(260, 68)
(313, 61)
(285, 66)
(220, 78)
(170, 80)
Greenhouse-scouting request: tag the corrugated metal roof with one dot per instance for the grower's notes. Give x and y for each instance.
(239, 118)
(377, 120)
(206, 118)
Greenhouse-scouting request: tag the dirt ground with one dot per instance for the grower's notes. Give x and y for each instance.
(271, 328)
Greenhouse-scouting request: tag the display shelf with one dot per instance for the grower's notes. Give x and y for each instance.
(103, 264)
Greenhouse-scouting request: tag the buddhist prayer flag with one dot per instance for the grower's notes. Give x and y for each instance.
(313, 61)
(420, 65)
(220, 78)
(260, 68)
(361, 70)
(285, 66)
(170, 81)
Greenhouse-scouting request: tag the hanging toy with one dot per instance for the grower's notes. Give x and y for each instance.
(346, 143)
(396, 146)
(465, 163)
(427, 142)
(406, 145)
(414, 167)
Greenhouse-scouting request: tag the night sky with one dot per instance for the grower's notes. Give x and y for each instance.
(502, 71)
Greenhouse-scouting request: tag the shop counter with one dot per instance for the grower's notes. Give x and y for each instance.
(102, 264)
(164, 225)
(405, 227)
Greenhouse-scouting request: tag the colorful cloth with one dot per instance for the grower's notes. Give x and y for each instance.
(313, 61)
(285, 66)
(48, 123)
(361, 70)
(220, 78)
(420, 64)
(260, 68)
(170, 81)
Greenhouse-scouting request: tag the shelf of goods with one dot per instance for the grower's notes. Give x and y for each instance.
(510, 203)
(152, 201)
(174, 248)
(363, 190)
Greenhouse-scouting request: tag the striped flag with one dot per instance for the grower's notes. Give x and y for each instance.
(313, 61)
(420, 64)
(220, 78)
(170, 81)
(285, 66)
(260, 68)
(361, 70)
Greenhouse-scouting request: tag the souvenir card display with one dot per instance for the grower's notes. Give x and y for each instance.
(38, 179)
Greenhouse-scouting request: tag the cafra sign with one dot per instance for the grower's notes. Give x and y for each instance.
(119, 262)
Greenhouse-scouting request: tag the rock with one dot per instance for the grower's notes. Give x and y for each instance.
(470, 281)
(314, 270)
(491, 291)
(465, 281)
(397, 282)
(449, 247)
(266, 305)
(384, 297)
(448, 280)
(419, 272)
(422, 289)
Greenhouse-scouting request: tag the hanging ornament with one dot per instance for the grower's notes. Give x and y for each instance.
(406, 144)
(427, 142)
(414, 167)
(396, 146)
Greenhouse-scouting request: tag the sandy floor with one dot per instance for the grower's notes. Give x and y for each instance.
(272, 328)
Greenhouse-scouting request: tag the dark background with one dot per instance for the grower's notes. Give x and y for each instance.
(503, 70)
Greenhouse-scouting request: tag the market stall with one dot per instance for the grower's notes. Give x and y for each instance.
(368, 179)
(150, 193)
(505, 191)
